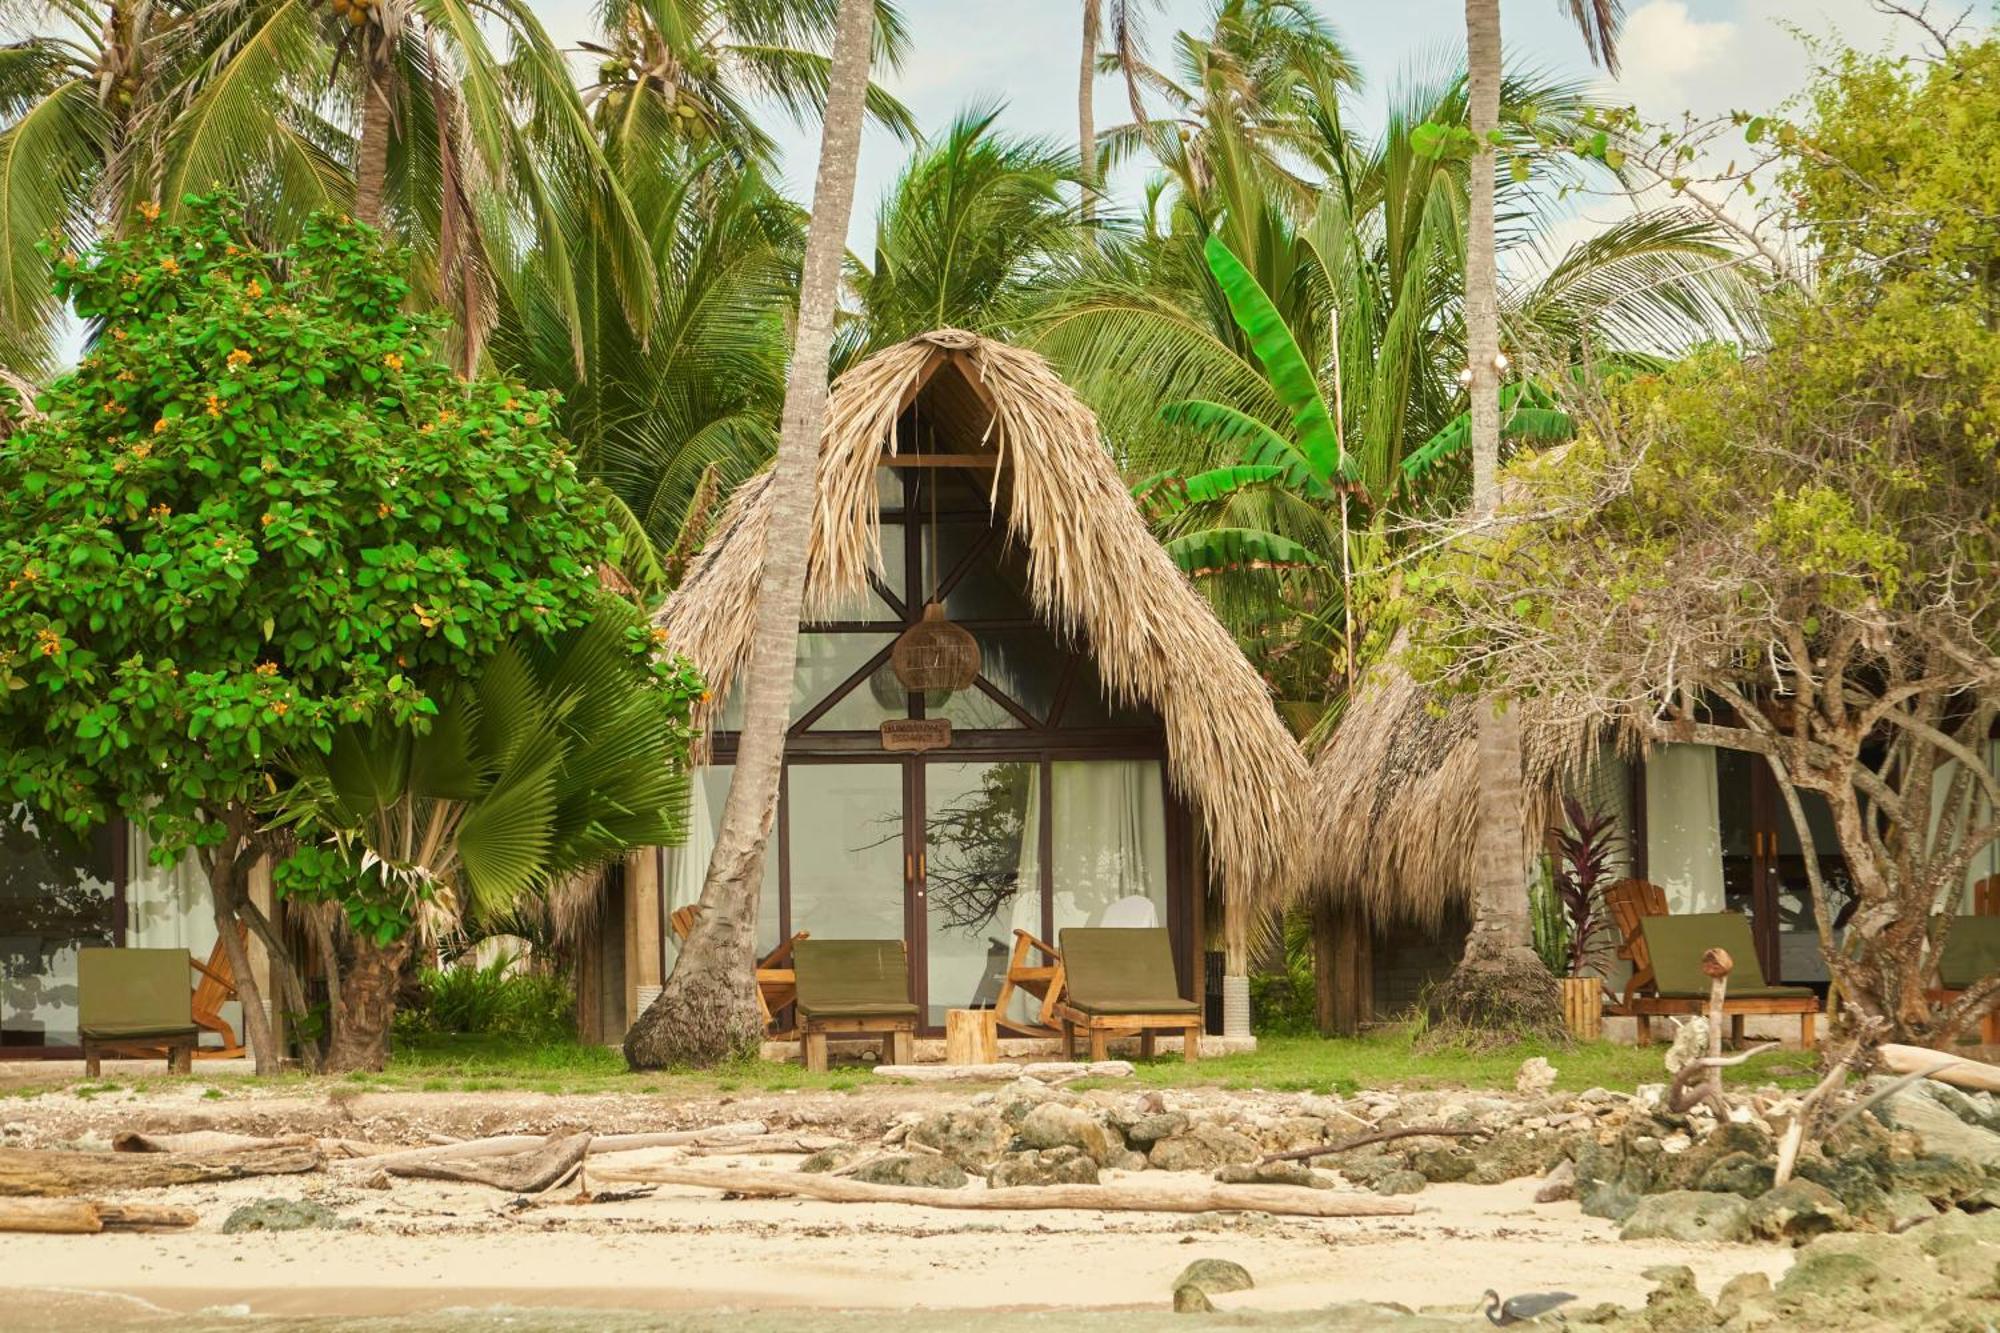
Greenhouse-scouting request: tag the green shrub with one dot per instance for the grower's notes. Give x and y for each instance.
(530, 1007)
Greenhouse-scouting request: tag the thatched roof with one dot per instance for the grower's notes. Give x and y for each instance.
(1396, 794)
(1093, 569)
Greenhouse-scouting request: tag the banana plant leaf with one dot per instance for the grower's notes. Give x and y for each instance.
(1527, 412)
(1220, 550)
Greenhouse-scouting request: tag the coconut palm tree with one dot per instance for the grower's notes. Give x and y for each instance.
(1126, 39)
(707, 1011)
(976, 228)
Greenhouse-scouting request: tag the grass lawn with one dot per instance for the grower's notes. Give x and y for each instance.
(1280, 1064)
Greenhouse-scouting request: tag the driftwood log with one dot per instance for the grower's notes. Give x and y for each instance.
(1197, 1197)
(1363, 1140)
(518, 1173)
(1957, 1070)
(205, 1142)
(30, 1172)
(1044, 1071)
(368, 1154)
(85, 1217)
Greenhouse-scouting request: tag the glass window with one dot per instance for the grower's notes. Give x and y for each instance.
(845, 823)
(1108, 843)
(982, 875)
(1026, 665)
(56, 898)
(889, 490)
(868, 605)
(993, 588)
(684, 869)
(826, 660)
(1089, 705)
(971, 709)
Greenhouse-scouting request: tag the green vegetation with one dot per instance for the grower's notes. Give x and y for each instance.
(529, 1008)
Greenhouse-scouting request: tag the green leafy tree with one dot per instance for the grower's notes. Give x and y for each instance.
(261, 508)
(559, 755)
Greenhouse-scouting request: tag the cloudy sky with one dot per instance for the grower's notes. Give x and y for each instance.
(1704, 55)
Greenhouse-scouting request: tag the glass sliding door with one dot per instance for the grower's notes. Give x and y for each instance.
(57, 897)
(982, 877)
(1108, 844)
(845, 849)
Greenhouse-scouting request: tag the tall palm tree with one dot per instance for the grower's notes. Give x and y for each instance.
(976, 228)
(707, 1011)
(1499, 981)
(1125, 46)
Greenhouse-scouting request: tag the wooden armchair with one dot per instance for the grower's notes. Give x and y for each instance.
(1972, 952)
(1041, 980)
(215, 986)
(1630, 902)
(777, 983)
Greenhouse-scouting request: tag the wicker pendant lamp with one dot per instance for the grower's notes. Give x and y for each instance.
(934, 654)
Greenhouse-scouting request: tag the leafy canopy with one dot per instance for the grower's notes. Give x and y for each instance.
(261, 508)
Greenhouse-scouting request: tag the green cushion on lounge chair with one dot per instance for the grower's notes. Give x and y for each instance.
(1676, 943)
(124, 994)
(853, 979)
(1128, 970)
(1971, 952)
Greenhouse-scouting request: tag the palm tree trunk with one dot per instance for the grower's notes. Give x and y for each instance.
(707, 1011)
(370, 977)
(1500, 984)
(371, 151)
(1086, 113)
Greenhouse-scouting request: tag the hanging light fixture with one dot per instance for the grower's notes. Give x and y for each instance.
(934, 654)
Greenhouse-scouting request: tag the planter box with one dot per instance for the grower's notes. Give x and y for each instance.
(1583, 1006)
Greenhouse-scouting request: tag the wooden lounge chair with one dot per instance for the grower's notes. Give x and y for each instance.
(776, 985)
(854, 988)
(1041, 980)
(1971, 953)
(1670, 949)
(135, 1002)
(1121, 981)
(215, 986)
(1631, 901)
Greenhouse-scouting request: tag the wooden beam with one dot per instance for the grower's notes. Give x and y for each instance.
(982, 461)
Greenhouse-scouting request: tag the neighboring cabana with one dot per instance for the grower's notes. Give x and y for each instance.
(1115, 760)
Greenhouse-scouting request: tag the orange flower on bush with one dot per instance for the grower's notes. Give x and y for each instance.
(267, 668)
(149, 211)
(253, 289)
(237, 358)
(214, 405)
(170, 265)
(392, 360)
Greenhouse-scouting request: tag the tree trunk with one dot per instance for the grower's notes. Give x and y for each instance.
(225, 888)
(371, 151)
(1342, 960)
(28, 1172)
(371, 975)
(1500, 985)
(707, 1012)
(1086, 114)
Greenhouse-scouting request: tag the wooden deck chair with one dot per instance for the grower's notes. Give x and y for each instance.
(776, 985)
(215, 986)
(1041, 980)
(1671, 947)
(135, 1002)
(854, 988)
(1630, 901)
(1119, 981)
(1972, 952)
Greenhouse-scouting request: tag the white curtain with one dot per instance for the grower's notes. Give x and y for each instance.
(1987, 862)
(1684, 827)
(168, 907)
(684, 867)
(1027, 909)
(1109, 843)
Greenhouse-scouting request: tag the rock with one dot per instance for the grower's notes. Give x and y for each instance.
(1535, 1078)
(1675, 1304)
(1215, 1275)
(913, 1169)
(831, 1159)
(1739, 1289)
(1399, 1182)
(1940, 1126)
(1053, 1125)
(1907, 1208)
(1738, 1173)
(1366, 1168)
(1797, 1211)
(1150, 1129)
(1512, 1154)
(1690, 1044)
(1443, 1165)
(1133, 1160)
(1942, 1179)
(283, 1215)
(972, 1137)
(1559, 1184)
(1203, 1147)
(1190, 1299)
(1023, 1095)
(1273, 1173)
(1047, 1166)
(379, 1181)
(1687, 1215)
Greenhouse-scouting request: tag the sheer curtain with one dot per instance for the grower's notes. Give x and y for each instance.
(1108, 843)
(168, 907)
(1976, 812)
(1684, 827)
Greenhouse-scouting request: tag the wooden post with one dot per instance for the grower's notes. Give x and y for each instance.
(642, 917)
(1343, 967)
(971, 1037)
(1583, 1007)
(1326, 975)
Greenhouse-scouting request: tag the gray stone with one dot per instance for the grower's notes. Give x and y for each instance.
(1204, 1147)
(1535, 1077)
(1368, 1167)
(1688, 1215)
(1399, 1182)
(1559, 1185)
(1938, 1123)
(1737, 1173)
(1190, 1299)
(830, 1159)
(1796, 1211)
(1215, 1275)
(973, 1137)
(283, 1215)
(1046, 1166)
(1053, 1125)
(1443, 1165)
(1273, 1173)
(1907, 1208)
(1150, 1129)
(1740, 1289)
(1511, 1155)
(919, 1170)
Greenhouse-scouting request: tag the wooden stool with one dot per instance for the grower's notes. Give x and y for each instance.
(971, 1037)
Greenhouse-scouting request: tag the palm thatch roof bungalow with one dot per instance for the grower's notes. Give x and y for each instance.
(1115, 759)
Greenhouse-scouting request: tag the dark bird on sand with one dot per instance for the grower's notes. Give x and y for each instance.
(1525, 1308)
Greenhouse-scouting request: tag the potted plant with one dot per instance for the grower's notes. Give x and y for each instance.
(1586, 844)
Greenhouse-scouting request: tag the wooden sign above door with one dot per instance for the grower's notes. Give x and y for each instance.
(917, 733)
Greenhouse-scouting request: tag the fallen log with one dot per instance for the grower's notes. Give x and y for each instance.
(1957, 1070)
(83, 1217)
(32, 1172)
(1195, 1197)
(1363, 1140)
(204, 1141)
(518, 1173)
(502, 1145)
(1045, 1071)
(764, 1143)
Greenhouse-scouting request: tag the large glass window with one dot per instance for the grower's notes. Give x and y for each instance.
(685, 868)
(56, 898)
(1108, 843)
(845, 824)
(982, 875)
